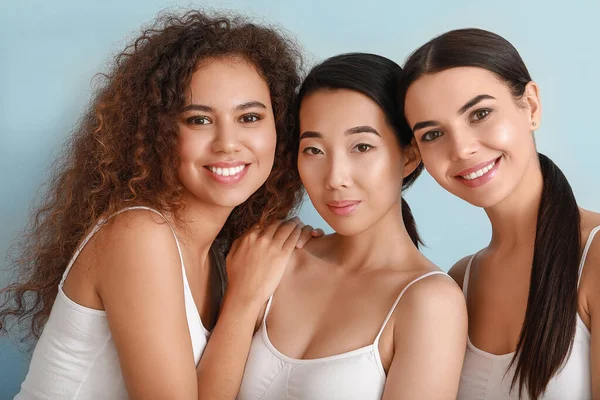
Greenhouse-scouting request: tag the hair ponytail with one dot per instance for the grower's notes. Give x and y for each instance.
(549, 326)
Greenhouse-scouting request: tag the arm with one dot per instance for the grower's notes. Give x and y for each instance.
(255, 266)
(429, 340)
(140, 284)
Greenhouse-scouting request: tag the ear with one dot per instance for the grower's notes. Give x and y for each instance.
(534, 104)
(412, 158)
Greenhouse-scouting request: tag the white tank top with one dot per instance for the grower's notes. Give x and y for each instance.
(357, 374)
(76, 358)
(484, 374)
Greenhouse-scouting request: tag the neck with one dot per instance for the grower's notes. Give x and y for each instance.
(201, 223)
(385, 243)
(514, 219)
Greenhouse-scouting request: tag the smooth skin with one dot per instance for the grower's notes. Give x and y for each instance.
(131, 267)
(335, 294)
(460, 137)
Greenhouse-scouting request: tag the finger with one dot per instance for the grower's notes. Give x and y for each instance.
(284, 231)
(270, 230)
(305, 236)
(317, 232)
(292, 239)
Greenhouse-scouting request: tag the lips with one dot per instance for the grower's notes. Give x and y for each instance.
(479, 174)
(227, 172)
(343, 208)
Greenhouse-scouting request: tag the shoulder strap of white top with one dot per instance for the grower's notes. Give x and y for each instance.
(99, 225)
(585, 251)
(389, 315)
(465, 284)
(264, 321)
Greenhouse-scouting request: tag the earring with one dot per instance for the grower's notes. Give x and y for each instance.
(533, 123)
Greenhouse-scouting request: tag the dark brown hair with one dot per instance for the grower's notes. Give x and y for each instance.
(376, 77)
(548, 330)
(124, 150)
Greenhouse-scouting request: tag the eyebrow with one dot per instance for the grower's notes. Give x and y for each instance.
(474, 101)
(239, 107)
(424, 124)
(350, 131)
(361, 129)
(468, 104)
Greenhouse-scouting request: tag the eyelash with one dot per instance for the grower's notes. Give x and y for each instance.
(309, 150)
(369, 147)
(487, 111)
(195, 118)
(243, 119)
(425, 138)
(255, 116)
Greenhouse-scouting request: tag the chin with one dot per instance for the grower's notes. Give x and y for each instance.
(483, 200)
(348, 227)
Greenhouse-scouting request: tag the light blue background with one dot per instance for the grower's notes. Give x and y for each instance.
(50, 50)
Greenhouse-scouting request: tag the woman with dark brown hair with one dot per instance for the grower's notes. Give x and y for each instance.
(532, 293)
(185, 147)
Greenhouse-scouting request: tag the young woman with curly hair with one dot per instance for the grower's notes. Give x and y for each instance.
(185, 147)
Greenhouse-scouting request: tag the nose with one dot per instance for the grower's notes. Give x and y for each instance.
(226, 138)
(464, 145)
(339, 174)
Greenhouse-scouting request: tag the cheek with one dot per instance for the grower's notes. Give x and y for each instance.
(191, 147)
(382, 174)
(310, 174)
(510, 135)
(263, 145)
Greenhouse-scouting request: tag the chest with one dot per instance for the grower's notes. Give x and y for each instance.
(320, 315)
(497, 303)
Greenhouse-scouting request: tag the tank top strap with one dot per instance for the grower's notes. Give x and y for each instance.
(267, 309)
(99, 225)
(586, 250)
(389, 315)
(465, 283)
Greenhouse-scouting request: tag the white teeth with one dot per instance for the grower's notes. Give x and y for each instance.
(227, 171)
(479, 173)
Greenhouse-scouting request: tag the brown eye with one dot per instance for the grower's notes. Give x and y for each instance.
(249, 118)
(481, 114)
(430, 136)
(198, 120)
(362, 148)
(313, 151)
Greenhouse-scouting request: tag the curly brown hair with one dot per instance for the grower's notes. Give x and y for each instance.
(124, 150)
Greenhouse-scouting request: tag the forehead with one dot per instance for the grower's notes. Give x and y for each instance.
(337, 110)
(227, 80)
(450, 89)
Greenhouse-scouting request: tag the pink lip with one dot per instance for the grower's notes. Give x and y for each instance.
(483, 179)
(228, 180)
(476, 167)
(343, 208)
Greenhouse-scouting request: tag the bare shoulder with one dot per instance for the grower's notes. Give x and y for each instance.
(434, 294)
(458, 270)
(432, 303)
(135, 241)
